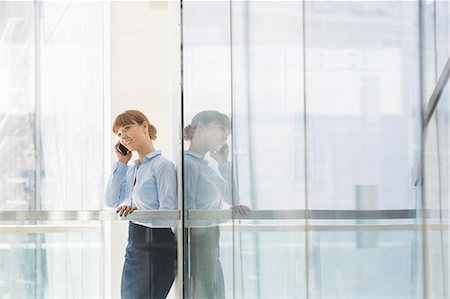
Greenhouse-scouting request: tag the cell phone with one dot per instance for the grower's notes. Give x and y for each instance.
(122, 149)
(223, 149)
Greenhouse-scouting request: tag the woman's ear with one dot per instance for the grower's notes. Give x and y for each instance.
(200, 126)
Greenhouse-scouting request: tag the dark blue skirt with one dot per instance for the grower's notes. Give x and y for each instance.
(206, 279)
(150, 263)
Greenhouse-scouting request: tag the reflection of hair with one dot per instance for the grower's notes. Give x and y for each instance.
(132, 117)
(205, 117)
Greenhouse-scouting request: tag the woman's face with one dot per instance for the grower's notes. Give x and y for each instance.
(132, 135)
(215, 135)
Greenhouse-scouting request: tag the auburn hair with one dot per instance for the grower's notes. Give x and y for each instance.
(206, 117)
(133, 117)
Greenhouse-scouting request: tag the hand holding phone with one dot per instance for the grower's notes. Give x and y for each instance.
(221, 155)
(123, 153)
(122, 149)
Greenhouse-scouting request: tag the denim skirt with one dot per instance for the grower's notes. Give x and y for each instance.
(150, 263)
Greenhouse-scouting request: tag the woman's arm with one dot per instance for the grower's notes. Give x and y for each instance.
(166, 184)
(115, 189)
(231, 194)
(191, 174)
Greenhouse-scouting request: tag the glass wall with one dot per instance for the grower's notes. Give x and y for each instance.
(207, 158)
(51, 118)
(436, 182)
(363, 144)
(436, 65)
(307, 168)
(70, 78)
(268, 46)
(325, 102)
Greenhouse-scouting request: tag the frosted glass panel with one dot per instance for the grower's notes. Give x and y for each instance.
(52, 265)
(71, 105)
(51, 139)
(17, 106)
(362, 104)
(437, 169)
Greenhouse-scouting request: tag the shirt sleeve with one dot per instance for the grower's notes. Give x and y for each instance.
(191, 174)
(166, 184)
(115, 189)
(231, 194)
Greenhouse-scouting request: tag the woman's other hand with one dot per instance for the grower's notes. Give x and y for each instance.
(125, 210)
(241, 210)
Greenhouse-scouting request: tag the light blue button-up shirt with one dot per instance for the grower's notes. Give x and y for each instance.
(151, 185)
(204, 189)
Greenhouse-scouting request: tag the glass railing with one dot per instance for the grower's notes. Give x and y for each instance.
(436, 194)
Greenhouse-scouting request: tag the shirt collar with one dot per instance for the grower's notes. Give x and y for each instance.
(196, 156)
(148, 157)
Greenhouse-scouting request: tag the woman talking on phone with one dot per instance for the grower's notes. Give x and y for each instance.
(148, 184)
(204, 189)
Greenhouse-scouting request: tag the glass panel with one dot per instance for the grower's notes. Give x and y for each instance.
(362, 131)
(363, 122)
(51, 131)
(442, 33)
(437, 154)
(363, 104)
(52, 265)
(363, 134)
(268, 113)
(435, 45)
(429, 47)
(207, 158)
(71, 78)
(17, 106)
(382, 264)
(268, 110)
(269, 259)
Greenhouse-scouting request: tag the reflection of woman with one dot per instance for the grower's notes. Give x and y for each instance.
(148, 184)
(205, 189)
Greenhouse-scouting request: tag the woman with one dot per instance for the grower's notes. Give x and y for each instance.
(148, 184)
(205, 189)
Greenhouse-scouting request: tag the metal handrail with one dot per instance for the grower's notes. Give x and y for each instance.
(86, 215)
(235, 227)
(194, 215)
(429, 109)
(46, 228)
(257, 228)
(436, 95)
(303, 214)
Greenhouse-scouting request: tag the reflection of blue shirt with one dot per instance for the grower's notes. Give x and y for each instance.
(151, 185)
(204, 189)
